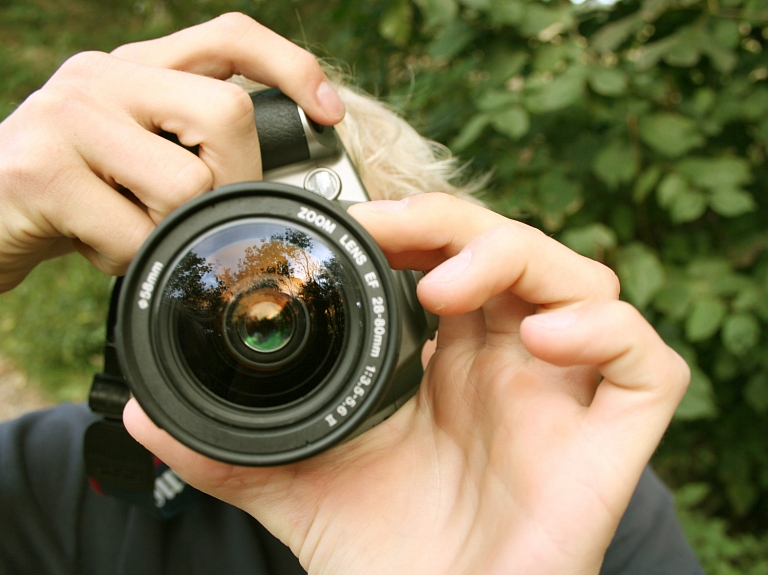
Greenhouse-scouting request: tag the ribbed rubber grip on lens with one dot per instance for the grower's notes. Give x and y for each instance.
(281, 133)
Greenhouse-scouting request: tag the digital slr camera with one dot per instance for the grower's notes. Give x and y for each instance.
(260, 324)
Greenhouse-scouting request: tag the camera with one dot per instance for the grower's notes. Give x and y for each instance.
(259, 324)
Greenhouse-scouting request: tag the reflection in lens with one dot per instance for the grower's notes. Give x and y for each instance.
(265, 328)
(258, 309)
(266, 324)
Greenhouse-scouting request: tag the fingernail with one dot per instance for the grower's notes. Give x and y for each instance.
(329, 100)
(553, 319)
(385, 206)
(451, 269)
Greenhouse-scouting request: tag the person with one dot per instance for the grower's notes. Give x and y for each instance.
(541, 404)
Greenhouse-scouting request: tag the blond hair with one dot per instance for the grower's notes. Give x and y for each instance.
(393, 159)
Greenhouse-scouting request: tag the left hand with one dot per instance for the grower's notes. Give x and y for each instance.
(82, 165)
(514, 457)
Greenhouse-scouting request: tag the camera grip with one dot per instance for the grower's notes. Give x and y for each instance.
(281, 133)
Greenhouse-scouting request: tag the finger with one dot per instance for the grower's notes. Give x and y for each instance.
(162, 175)
(644, 379)
(214, 115)
(196, 469)
(236, 44)
(111, 227)
(479, 254)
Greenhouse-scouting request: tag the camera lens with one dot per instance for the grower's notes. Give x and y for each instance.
(266, 320)
(259, 324)
(245, 299)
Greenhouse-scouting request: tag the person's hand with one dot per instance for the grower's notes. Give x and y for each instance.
(81, 164)
(514, 457)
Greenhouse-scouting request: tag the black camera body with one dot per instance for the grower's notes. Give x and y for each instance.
(259, 324)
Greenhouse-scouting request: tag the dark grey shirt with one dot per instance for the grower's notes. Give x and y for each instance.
(53, 523)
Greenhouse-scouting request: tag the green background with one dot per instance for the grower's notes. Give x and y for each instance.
(634, 133)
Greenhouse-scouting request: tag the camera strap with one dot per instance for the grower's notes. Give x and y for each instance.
(116, 464)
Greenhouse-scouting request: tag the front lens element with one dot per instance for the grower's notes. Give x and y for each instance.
(266, 322)
(259, 311)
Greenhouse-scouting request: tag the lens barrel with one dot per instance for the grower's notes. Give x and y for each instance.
(259, 324)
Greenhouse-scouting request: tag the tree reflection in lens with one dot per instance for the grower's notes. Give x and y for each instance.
(262, 279)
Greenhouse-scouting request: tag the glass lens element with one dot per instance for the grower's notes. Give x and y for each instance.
(266, 321)
(257, 310)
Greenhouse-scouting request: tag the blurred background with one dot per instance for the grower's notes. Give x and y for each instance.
(633, 131)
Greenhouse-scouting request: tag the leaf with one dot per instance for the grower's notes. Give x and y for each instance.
(438, 12)
(715, 173)
(493, 100)
(755, 106)
(640, 272)
(396, 22)
(538, 17)
(761, 131)
(691, 494)
(608, 81)
(684, 53)
(731, 284)
(650, 54)
(615, 164)
(709, 268)
(703, 100)
(623, 220)
(671, 187)
(560, 93)
(704, 319)
(756, 392)
(503, 63)
(726, 33)
(506, 12)
(699, 399)
(722, 60)
(451, 40)
(590, 241)
(611, 36)
(558, 197)
(645, 183)
(470, 132)
(740, 333)
(674, 299)
(549, 57)
(687, 207)
(512, 122)
(670, 134)
(731, 202)
(742, 493)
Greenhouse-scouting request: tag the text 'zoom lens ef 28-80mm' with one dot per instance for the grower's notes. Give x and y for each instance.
(259, 324)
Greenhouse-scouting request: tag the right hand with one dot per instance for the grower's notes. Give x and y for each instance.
(82, 166)
(535, 418)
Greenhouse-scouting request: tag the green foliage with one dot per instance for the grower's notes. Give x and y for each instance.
(720, 552)
(635, 133)
(53, 325)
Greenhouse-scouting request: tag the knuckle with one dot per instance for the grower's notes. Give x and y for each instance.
(62, 104)
(527, 237)
(681, 376)
(90, 63)
(126, 52)
(305, 62)
(233, 103)
(111, 267)
(234, 22)
(438, 201)
(608, 280)
(192, 180)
